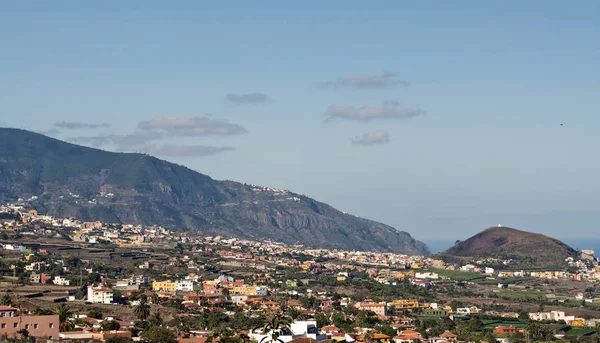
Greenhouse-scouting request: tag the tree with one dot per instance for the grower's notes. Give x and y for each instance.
(387, 330)
(523, 316)
(63, 312)
(24, 333)
(534, 331)
(159, 334)
(156, 319)
(95, 314)
(118, 340)
(321, 320)
(5, 300)
(142, 310)
(110, 325)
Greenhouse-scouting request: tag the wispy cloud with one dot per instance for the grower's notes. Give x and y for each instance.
(372, 138)
(183, 150)
(362, 81)
(133, 139)
(195, 126)
(50, 132)
(94, 141)
(368, 113)
(391, 103)
(249, 98)
(73, 125)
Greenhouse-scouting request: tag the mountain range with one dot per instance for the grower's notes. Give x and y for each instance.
(91, 184)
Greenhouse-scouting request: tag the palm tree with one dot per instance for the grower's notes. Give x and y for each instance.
(534, 331)
(274, 328)
(368, 336)
(156, 319)
(63, 312)
(142, 310)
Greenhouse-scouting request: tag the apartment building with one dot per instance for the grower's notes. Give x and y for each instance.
(100, 295)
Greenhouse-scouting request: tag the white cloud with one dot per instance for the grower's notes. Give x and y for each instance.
(249, 98)
(368, 113)
(372, 138)
(183, 150)
(361, 81)
(79, 125)
(195, 126)
(133, 139)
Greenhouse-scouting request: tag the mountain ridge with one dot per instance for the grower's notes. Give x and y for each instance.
(75, 181)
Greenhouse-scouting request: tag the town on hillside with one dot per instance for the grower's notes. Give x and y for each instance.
(63, 279)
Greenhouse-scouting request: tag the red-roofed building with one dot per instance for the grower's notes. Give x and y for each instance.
(506, 330)
(449, 336)
(330, 330)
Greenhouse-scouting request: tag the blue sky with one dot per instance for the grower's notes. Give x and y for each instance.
(439, 118)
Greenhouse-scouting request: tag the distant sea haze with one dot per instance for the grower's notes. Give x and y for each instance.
(438, 245)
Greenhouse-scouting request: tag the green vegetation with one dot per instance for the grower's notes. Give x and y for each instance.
(519, 295)
(457, 275)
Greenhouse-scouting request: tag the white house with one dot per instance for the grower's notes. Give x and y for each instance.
(552, 315)
(468, 268)
(100, 295)
(184, 285)
(427, 275)
(61, 281)
(262, 290)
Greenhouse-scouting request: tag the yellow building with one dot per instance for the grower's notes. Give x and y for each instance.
(250, 290)
(341, 277)
(408, 304)
(399, 275)
(578, 322)
(166, 286)
(242, 290)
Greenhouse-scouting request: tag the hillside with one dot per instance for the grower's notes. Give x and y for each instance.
(91, 184)
(526, 248)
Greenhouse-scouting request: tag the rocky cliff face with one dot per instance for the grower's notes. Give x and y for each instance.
(91, 184)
